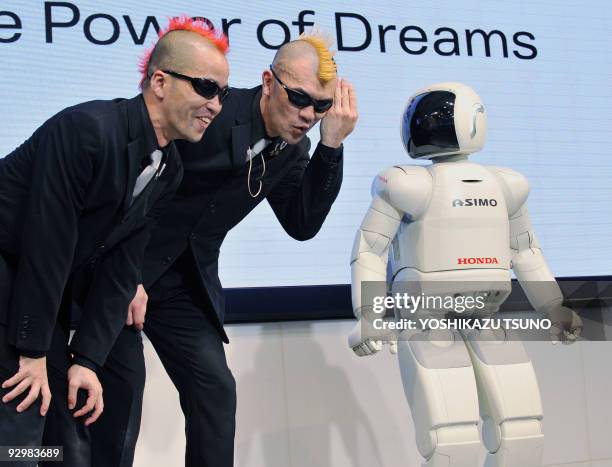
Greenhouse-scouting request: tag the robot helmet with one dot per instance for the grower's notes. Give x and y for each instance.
(444, 119)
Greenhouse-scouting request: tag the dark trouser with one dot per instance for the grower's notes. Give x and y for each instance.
(26, 428)
(117, 428)
(61, 428)
(16, 429)
(192, 353)
(111, 440)
(179, 326)
(115, 433)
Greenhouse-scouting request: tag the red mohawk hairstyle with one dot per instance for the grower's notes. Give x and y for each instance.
(200, 26)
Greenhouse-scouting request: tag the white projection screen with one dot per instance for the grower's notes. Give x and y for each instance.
(543, 69)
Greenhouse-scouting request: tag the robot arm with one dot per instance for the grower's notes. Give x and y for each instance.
(369, 263)
(528, 262)
(396, 192)
(371, 247)
(537, 280)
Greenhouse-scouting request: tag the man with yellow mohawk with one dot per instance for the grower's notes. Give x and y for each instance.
(255, 149)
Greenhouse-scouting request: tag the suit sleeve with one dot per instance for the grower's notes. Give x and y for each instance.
(113, 288)
(303, 198)
(63, 165)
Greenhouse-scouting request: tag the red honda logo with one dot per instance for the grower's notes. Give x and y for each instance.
(477, 261)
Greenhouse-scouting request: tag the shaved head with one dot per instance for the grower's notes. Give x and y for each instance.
(176, 49)
(177, 46)
(312, 51)
(295, 51)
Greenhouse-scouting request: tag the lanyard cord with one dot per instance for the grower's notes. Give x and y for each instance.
(263, 172)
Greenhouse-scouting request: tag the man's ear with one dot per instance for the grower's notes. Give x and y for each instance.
(266, 82)
(158, 83)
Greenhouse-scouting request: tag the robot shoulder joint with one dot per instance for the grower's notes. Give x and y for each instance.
(515, 186)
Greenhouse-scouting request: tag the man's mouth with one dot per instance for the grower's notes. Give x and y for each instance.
(204, 120)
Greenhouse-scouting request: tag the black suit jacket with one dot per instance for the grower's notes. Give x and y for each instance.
(213, 196)
(69, 228)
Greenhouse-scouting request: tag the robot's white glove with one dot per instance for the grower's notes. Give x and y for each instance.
(566, 324)
(364, 346)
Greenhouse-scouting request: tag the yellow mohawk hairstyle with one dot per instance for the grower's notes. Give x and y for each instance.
(327, 65)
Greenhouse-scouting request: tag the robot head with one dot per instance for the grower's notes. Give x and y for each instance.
(444, 119)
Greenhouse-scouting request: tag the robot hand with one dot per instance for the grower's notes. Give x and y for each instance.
(364, 346)
(566, 324)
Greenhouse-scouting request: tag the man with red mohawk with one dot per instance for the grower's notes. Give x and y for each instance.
(77, 202)
(256, 149)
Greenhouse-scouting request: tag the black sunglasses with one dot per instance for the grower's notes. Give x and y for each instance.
(205, 87)
(301, 99)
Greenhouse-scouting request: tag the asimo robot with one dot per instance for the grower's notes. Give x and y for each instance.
(458, 222)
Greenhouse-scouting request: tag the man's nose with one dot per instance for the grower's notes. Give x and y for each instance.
(307, 114)
(214, 105)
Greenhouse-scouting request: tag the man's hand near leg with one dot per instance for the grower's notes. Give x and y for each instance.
(80, 377)
(32, 374)
(138, 309)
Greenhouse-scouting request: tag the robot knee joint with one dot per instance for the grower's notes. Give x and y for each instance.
(495, 436)
(451, 440)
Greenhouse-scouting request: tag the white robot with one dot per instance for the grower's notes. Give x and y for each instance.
(458, 222)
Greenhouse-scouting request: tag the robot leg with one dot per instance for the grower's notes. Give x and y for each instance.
(441, 390)
(510, 403)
